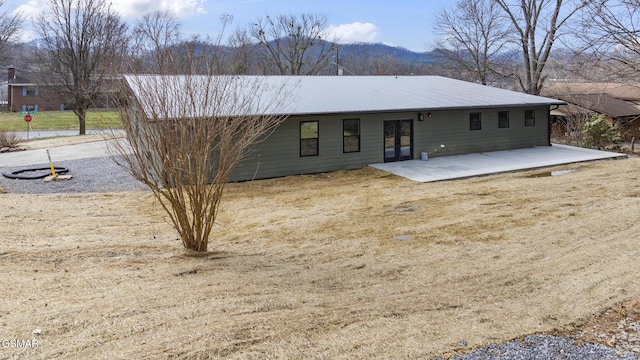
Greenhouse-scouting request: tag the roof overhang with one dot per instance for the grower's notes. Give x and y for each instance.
(317, 95)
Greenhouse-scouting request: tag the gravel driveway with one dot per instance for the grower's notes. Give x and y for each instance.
(99, 174)
(544, 347)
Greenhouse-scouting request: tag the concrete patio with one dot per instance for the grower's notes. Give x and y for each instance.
(463, 166)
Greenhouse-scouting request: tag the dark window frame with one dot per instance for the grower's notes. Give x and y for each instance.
(30, 90)
(475, 121)
(529, 120)
(503, 122)
(346, 138)
(304, 140)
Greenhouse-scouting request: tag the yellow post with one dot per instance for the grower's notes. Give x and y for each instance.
(53, 170)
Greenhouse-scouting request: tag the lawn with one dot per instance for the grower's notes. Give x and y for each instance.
(347, 265)
(60, 120)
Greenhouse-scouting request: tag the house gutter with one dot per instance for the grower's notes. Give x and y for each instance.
(551, 108)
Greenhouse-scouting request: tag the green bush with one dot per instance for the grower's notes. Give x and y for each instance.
(598, 133)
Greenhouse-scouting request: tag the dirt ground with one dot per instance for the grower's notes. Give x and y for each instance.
(352, 264)
(64, 140)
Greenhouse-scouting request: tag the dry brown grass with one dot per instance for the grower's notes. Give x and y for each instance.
(8, 139)
(353, 264)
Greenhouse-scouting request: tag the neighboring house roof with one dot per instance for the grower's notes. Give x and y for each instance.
(569, 110)
(343, 94)
(603, 104)
(21, 81)
(630, 92)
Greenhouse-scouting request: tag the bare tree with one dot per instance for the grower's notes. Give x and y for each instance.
(187, 132)
(291, 45)
(159, 48)
(384, 65)
(242, 54)
(9, 27)
(154, 36)
(610, 37)
(83, 43)
(474, 37)
(368, 59)
(570, 127)
(576, 121)
(537, 24)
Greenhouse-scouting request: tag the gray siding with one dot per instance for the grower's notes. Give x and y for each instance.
(447, 132)
(278, 155)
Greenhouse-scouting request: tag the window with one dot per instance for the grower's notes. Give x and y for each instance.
(529, 118)
(503, 119)
(29, 91)
(351, 135)
(309, 138)
(474, 121)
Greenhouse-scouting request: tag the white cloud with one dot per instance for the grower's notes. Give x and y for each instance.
(30, 10)
(354, 32)
(31, 7)
(138, 8)
(133, 9)
(129, 9)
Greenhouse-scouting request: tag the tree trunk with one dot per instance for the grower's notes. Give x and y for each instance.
(82, 119)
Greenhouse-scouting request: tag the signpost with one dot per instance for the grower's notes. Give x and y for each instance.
(27, 119)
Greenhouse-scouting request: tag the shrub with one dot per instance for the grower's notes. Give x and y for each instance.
(8, 139)
(598, 133)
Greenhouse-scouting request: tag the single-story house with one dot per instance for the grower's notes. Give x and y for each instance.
(624, 91)
(618, 103)
(347, 122)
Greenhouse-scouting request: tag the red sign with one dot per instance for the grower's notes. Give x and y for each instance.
(27, 118)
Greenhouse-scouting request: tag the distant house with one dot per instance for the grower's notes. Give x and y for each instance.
(618, 103)
(24, 94)
(347, 122)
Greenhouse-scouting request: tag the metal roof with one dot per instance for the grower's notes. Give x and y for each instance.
(351, 94)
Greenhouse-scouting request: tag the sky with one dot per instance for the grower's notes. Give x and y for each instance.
(404, 23)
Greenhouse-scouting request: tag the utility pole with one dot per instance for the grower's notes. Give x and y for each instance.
(338, 70)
